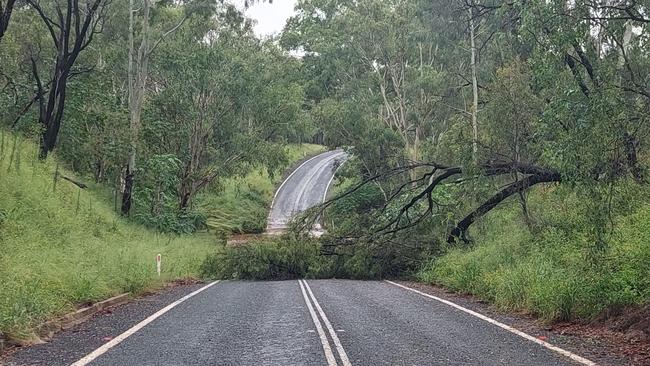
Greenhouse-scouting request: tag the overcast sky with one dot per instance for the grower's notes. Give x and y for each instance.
(271, 18)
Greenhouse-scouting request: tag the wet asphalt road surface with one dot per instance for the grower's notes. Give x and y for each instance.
(306, 187)
(271, 323)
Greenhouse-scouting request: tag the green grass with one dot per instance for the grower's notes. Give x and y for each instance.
(242, 204)
(555, 273)
(63, 247)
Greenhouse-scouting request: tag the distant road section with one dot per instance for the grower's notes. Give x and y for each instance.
(306, 187)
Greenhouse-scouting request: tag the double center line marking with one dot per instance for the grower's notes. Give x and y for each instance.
(329, 355)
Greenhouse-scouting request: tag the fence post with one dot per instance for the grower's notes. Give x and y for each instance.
(11, 157)
(56, 177)
(78, 201)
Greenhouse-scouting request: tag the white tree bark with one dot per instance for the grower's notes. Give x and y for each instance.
(138, 72)
(474, 111)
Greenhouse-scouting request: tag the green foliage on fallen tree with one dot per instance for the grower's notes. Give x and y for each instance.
(283, 258)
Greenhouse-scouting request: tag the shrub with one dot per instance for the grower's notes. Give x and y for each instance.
(289, 258)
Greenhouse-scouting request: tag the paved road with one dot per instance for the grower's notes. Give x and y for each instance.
(306, 187)
(325, 322)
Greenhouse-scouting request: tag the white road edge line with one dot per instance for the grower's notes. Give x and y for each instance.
(510, 329)
(329, 355)
(119, 339)
(335, 338)
(327, 189)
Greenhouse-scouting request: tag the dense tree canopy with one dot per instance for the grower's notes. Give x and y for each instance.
(186, 85)
(454, 106)
(449, 107)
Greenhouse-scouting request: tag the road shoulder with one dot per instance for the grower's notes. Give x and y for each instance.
(72, 344)
(600, 345)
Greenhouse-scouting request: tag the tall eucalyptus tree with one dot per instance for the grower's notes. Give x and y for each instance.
(138, 73)
(72, 26)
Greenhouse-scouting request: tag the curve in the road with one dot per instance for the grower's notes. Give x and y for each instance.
(306, 187)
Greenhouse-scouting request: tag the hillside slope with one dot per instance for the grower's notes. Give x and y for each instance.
(61, 246)
(556, 270)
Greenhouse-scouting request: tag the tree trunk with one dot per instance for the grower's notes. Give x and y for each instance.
(630, 142)
(128, 193)
(186, 185)
(5, 15)
(51, 121)
(137, 74)
(472, 38)
(131, 166)
(460, 231)
(100, 170)
(156, 199)
(185, 200)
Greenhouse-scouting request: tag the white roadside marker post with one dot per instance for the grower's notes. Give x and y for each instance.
(158, 262)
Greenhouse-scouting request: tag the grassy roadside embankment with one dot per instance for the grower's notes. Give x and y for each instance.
(61, 246)
(557, 271)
